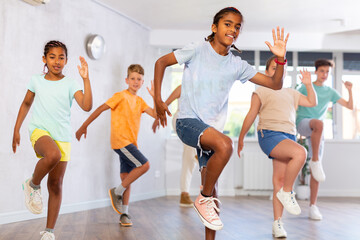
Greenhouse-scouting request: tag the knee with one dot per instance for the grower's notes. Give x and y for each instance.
(145, 167)
(301, 154)
(53, 157)
(55, 186)
(225, 146)
(318, 125)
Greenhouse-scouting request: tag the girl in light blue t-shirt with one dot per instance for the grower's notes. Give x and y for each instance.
(51, 96)
(210, 71)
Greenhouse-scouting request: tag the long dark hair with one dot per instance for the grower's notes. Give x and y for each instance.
(217, 18)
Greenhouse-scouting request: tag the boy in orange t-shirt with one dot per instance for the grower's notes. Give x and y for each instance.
(126, 109)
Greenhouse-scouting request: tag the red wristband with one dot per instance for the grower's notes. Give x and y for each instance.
(280, 63)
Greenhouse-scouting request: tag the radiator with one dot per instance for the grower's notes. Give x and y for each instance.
(257, 171)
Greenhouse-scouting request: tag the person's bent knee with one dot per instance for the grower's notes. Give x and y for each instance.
(53, 157)
(317, 125)
(301, 154)
(225, 146)
(145, 167)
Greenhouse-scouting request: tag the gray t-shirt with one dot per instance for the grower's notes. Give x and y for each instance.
(207, 80)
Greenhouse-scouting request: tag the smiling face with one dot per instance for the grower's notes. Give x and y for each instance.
(55, 60)
(227, 29)
(135, 81)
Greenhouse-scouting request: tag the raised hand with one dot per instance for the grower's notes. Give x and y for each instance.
(83, 70)
(279, 48)
(305, 77)
(348, 85)
(151, 90)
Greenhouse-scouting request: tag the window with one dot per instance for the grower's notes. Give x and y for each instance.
(239, 101)
(240, 94)
(351, 73)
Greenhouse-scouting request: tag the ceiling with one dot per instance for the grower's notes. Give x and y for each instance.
(308, 16)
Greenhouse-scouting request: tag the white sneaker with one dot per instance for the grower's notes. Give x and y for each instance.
(45, 235)
(317, 171)
(33, 199)
(314, 213)
(289, 202)
(278, 230)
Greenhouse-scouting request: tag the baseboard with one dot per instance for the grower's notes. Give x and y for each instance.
(243, 192)
(24, 215)
(339, 193)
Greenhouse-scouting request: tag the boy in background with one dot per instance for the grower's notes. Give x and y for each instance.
(126, 109)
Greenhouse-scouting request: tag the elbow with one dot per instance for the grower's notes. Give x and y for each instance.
(158, 63)
(277, 86)
(87, 108)
(314, 103)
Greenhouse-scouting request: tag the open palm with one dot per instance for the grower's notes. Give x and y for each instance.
(279, 47)
(83, 70)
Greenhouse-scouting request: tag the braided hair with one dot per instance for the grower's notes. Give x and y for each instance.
(217, 18)
(53, 44)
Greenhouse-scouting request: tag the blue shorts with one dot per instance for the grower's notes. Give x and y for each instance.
(130, 158)
(269, 139)
(189, 131)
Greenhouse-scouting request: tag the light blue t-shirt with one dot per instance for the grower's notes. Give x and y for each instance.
(207, 80)
(51, 106)
(325, 95)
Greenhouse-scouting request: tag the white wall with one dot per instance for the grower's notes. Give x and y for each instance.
(94, 167)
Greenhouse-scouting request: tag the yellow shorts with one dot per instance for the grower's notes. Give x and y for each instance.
(64, 147)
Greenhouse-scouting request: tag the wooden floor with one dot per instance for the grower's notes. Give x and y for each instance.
(248, 218)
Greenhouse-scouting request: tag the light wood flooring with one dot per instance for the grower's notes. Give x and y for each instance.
(248, 218)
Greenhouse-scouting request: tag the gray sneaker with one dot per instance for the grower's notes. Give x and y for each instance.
(116, 201)
(125, 220)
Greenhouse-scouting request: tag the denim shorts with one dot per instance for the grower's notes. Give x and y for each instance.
(269, 139)
(130, 158)
(189, 131)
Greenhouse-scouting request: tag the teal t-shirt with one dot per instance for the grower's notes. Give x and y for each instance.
(51, 106)
(325, 95)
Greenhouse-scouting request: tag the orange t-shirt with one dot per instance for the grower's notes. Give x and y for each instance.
(126, 110)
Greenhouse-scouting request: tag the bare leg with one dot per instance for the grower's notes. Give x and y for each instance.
(126, 194)
(55, 181)
(135, 174)
(314, 189)
(316, 137)
(279, 169)
(46, 147)
(294, 155)
(223, 148)
(209, 233)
